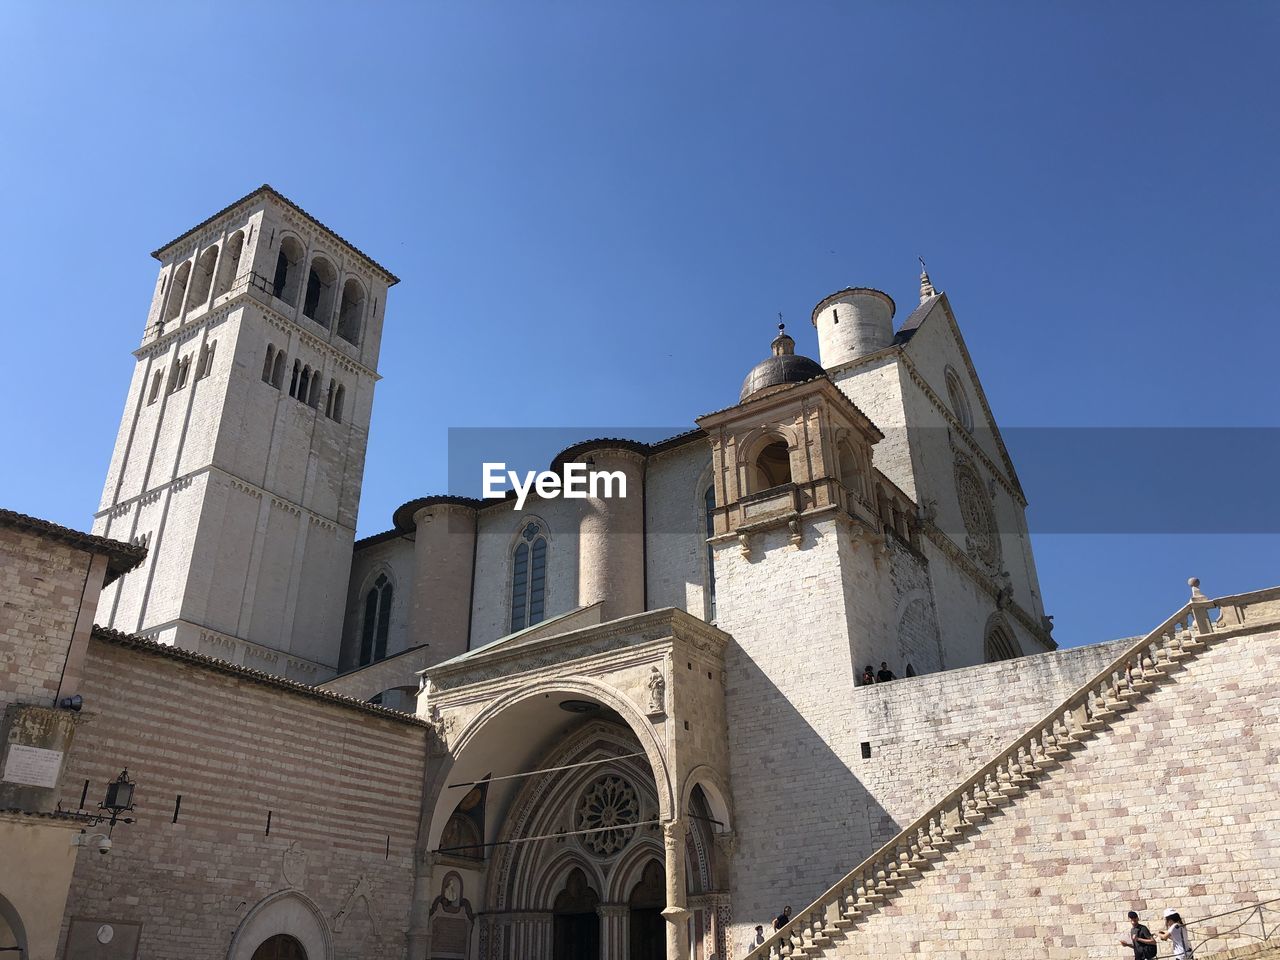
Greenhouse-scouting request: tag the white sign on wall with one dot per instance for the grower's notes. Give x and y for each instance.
(33, 766)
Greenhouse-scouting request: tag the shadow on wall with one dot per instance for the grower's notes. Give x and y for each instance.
(802, 815)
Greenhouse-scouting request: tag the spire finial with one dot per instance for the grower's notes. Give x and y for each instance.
(783, 343)
(926, 285)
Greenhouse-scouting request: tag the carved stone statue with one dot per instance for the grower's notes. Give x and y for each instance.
(657, 693)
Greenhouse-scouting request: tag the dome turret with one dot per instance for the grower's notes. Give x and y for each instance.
(785, 366)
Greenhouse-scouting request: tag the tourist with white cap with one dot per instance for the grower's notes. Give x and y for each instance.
(1175, 931)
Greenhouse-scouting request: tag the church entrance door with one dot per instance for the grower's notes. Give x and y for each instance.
(648, 928)
(577, 925)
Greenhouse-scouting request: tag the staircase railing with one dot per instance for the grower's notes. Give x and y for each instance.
(995, 784)
(1258, 922)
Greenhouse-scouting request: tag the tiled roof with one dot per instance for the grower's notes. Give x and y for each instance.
(143, 645)
(121, 557)
(271, 191)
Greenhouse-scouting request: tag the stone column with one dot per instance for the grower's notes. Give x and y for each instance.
(419, 939)
(676, 912)
(611, 536)
(615, 930)
(443, 557)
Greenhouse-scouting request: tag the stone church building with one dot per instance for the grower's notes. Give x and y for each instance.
(616, 726)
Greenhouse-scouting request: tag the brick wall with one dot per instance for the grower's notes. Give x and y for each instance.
(1173, 805)
(342, 786)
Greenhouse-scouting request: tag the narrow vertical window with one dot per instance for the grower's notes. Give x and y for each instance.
(709, 506)
(155, 386)
(328, 403)
(269, 363)
(293, 383)
(377, 622)
(277, 372)
(529, 578)
(338, 399)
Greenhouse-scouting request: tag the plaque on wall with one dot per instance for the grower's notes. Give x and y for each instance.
(32, 766)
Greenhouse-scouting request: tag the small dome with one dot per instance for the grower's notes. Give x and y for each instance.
(785, 366)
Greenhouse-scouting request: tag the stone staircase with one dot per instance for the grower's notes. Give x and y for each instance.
(1020, 767)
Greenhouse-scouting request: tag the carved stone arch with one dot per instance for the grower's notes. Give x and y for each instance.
(554, 875)
(288, 912)
(749, 445)
(999, 642)
(628, 870)
(716, 792)
(630, 712)
(544, 801)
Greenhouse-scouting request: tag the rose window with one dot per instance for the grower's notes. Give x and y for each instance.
(979, 519)
(610, 807)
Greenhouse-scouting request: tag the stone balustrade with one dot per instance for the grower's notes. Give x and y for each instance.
(1044, 746)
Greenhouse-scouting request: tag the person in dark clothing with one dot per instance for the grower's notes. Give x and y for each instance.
(1140, 938)
(885, 673)
(782, 919)
(868, 676)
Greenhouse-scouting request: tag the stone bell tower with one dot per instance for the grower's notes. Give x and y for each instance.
(241, 450)
(808, 539)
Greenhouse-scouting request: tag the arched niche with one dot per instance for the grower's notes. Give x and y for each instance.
(289, 913)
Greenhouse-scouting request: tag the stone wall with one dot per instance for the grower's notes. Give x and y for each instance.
(41, 585)
(809, 808)
(1172, 805)
(340, 784)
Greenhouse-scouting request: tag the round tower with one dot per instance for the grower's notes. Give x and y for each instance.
(853, 323)
(444, 548)
(611, 534)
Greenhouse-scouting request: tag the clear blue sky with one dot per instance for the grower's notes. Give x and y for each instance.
(597, 210)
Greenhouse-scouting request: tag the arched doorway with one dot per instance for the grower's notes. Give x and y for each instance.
(648, 928)
(280, 947)
(577, 924)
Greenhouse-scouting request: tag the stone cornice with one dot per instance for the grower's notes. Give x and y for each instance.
(504, 661)
(122, 507)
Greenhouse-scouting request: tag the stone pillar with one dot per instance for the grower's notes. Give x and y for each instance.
(615, 930)
(677, 911)
(611, 537)
(419, 938)
(443, 558)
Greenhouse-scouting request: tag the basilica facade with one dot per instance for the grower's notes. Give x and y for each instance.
(602, 727)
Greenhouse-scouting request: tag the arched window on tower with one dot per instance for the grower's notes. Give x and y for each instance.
(847, 466)
(277, 371)
(313, 399)
(177, 291)
(772, 467)
(709, 511)
(205, 364)
(351, 313)
(202, 278)
(338, 399)
(377, 621)
(156, 380)
(269, 363)
(317, 305)
(529, 578)
(288, 271)
(229, 269)
(304, 382)
(293, 381)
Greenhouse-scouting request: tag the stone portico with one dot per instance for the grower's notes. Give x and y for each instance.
(567, 770)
